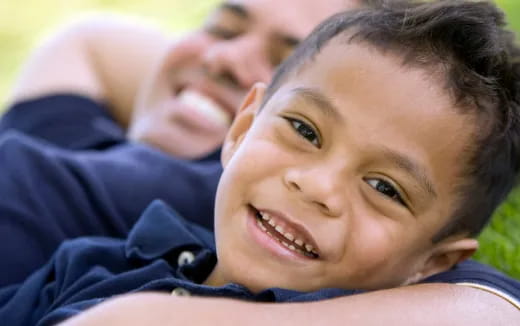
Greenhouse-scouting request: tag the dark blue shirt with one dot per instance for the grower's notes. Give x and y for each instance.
(67, 171)
(163, 253)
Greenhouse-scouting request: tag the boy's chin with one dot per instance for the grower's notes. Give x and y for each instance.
(296, 283)
(257, 281)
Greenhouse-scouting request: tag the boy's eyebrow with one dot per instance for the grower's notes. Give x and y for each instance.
(319, 100)
(235, 8)
(413, 168)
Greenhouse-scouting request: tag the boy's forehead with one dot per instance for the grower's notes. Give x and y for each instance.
(357, 71)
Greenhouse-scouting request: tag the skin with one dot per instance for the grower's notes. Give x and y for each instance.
(410, 305)
(367, 186)
(241, 43)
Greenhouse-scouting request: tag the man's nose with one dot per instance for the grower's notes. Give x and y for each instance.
(243, 61)
(320, 186)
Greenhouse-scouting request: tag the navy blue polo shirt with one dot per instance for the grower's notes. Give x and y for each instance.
(67, 171)
(163, 253)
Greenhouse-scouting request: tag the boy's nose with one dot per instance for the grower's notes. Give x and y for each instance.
(322, 190)
(242, 61)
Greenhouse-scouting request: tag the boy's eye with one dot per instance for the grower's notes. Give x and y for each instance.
(305, 130)
(386, 189)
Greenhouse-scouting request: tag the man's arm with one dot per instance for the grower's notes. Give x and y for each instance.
(104, 58)
(426, 304)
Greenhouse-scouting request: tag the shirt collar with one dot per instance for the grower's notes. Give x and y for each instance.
(161, 229)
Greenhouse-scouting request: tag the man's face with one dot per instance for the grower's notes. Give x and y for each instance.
(343, 178)
(187, 104)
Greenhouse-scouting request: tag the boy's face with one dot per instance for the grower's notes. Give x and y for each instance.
(355, 162)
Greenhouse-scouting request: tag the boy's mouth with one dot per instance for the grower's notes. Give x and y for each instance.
(289, 238)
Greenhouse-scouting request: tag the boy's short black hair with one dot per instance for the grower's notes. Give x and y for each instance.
(466, 44)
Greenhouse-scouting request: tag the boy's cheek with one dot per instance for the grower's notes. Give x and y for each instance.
(259, 158)
(377, 255)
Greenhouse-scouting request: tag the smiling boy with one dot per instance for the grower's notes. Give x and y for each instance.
(328, 186)
(346, 187)
(354, 179)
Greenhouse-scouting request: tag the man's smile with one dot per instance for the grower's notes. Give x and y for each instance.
(206, 106)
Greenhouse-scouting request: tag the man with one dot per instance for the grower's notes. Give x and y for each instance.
(192, 86)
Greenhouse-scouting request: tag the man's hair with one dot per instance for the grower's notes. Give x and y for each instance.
(466, 45)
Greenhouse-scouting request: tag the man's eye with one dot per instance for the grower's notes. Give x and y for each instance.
(221, 32)
(386, 189)
(279, 53)
(305, 130)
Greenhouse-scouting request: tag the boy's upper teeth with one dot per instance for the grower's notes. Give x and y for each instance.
(289, 236)
(293, 240)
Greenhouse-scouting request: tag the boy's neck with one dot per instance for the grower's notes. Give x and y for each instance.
(215, 278)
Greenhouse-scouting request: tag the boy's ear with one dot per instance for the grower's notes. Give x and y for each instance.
(444, 256)
(242, 121)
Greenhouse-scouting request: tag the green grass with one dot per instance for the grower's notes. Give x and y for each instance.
(500, 241)
(22, 23)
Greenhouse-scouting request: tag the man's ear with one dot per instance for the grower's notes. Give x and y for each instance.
(444, 256)
(243, 121)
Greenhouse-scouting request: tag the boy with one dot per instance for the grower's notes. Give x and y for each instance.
(329, 189)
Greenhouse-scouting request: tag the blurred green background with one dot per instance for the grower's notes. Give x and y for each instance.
(23, 23)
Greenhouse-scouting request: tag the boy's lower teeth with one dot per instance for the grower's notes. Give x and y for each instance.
(290, 246)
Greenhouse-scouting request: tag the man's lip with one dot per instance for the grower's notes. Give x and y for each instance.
(217, 95)
(290, 223)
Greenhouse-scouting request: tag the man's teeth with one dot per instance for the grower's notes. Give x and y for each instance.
(206, 106)
(293, 243)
